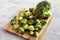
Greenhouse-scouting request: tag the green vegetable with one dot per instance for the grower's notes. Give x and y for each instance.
(31, 28)
(38, 21)
(24, 21)
(31, 21)
(16, 17)
(38, 27)
(21, 14)
(46, 15)
(31, 16)
(43, 22)
(25, 16)
(42, 7)
(15, 27)
(31, 10)
(14, 21)
(28, 13)
(35, 21)
(20, 18)
(31, 32)
(21, 30)
(36, 33)
(25, 26)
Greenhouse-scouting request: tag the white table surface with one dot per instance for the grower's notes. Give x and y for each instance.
(8, 9)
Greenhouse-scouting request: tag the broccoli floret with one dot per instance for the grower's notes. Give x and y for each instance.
(15, 26)
(43, 22)
(36, 33)
(24, 21)
(25, 16)
(31, 32)
(42, 7)
(21, 30)
(31, 10)
(31, 21)
(38, 27)
(31, 28)
(25, 26)
(14, 21)
(46, 16)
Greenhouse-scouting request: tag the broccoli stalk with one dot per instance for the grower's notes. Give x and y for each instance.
(42, 7)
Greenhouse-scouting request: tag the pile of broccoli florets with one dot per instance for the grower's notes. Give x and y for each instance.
(29, 20)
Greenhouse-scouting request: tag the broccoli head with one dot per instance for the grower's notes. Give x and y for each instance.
(42, 7)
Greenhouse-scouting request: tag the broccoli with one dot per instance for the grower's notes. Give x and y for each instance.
(21, 30)
(15, 27)
(31, 10)
(31, 32)
(14, 21)
(42, 7)
(38, 27)
(43, 22)
(31, 21)
(46, 16)
(31, 16)
(25, 26)
(25, 16)
(24, 21)
(36, 33)
(31, 28)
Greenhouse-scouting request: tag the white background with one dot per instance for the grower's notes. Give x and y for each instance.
(8, 9)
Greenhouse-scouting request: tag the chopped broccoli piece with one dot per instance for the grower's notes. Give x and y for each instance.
(31, 32)
(16, 18)
(21, 14)
(14, 21)
(31, 28)
(31, 10)
(15, 27)
(43, 22)
(25, 16)
(20, 18)
(21, 30)
(38, 21)
(31, 21)
(38, 27)
(25, 26)
(24, 21)
(36, 33)
(31, 16)
(46, 15)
